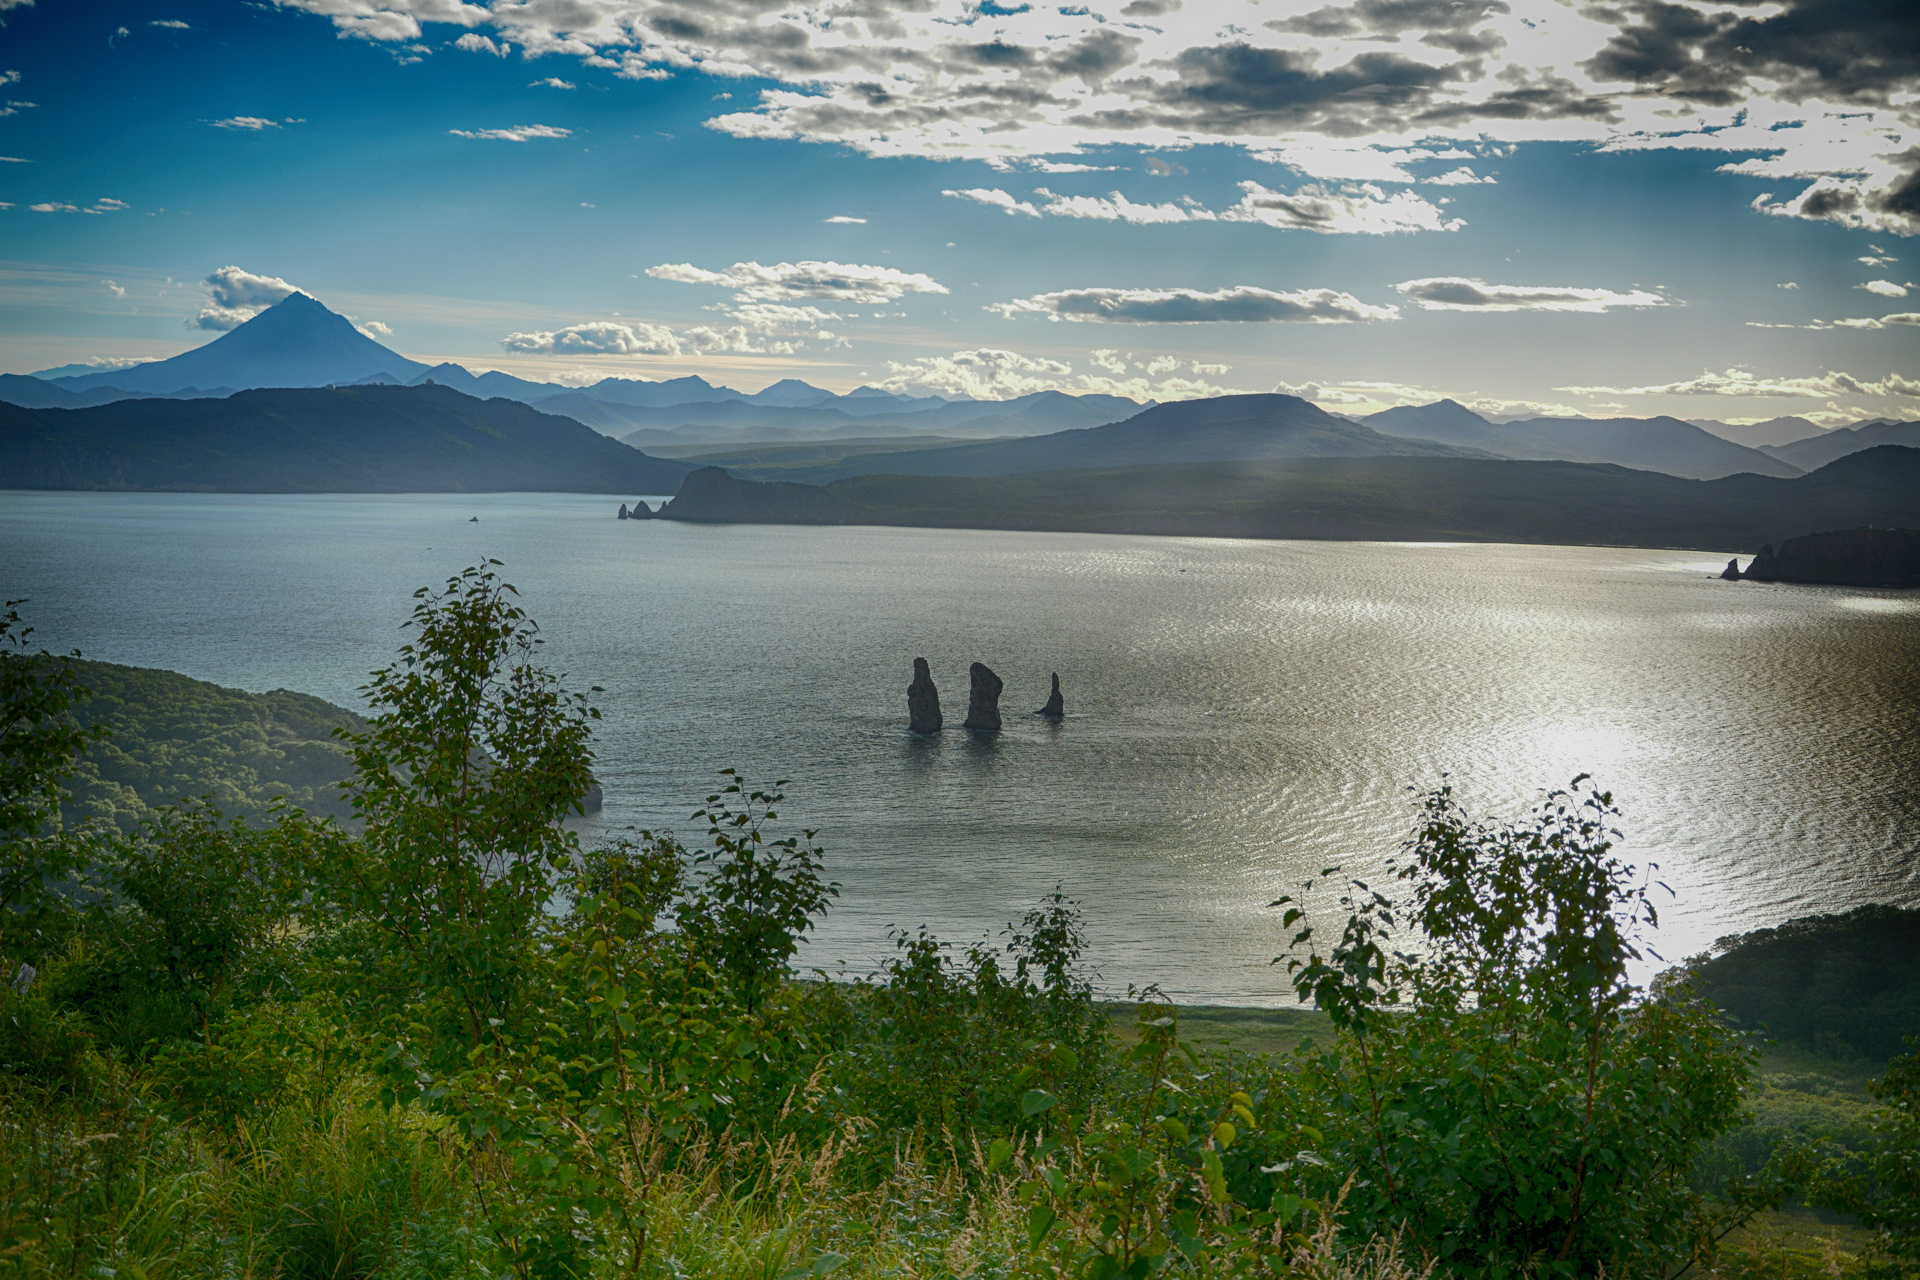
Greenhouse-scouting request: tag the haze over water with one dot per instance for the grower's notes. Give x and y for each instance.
(1240, 714)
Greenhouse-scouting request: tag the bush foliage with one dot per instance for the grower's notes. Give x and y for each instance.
(454, 1043)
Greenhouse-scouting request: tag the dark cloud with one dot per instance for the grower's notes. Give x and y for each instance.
(1549, 98)
(1240, 89)
(1150, 8)
(1448, 24)
(1859, 51)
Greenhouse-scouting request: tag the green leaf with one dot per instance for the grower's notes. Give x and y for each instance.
(1039, 1222)
(998, 1153)
(1036, 1101)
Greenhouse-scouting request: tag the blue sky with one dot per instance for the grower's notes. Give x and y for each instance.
(1147, 198)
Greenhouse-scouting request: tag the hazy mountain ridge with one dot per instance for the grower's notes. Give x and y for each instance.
(369, 439)
(1819, 450)
(1648, 444)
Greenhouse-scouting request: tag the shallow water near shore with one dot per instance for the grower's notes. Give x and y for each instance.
(1240, 714)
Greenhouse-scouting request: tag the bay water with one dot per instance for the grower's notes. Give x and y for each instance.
(1240, 714)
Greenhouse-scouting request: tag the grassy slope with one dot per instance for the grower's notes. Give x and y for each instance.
(362, 439)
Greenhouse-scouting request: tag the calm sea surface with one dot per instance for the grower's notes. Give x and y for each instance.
(1240, 714)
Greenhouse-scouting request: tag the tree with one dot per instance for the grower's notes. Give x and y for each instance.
(472, 759)
(39, 744)
(1507, 1097)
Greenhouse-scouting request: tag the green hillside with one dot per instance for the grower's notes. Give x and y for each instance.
(177, 738)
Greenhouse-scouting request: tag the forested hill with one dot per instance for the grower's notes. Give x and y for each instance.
(362, 439)
(176, 738)
(1388, 498)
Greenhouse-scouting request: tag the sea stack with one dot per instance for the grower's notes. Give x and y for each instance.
(1056, 708)
(641, 511)
(623, 511)
(1732, 572)
(923, 700)
(983, 700)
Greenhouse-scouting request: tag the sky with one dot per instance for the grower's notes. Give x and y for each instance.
(1615, 208)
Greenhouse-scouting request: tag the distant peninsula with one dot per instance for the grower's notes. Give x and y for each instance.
(358, 439)
(1389, 498)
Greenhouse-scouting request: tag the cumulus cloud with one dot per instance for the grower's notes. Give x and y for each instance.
(374, 329)
(599, 337)
(1461, 177)
(1456, 293)
(835, 281)
(473, 42)
(1885, 288)
(551, 82)
(1357, 210)
(519, 133)
(1742, 382)
(54, 206)
(987, 373)
(171, 23)
(1243, 303)
(235, 296)
(246, 123)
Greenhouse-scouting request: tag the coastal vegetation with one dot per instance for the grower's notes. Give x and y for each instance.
(453, 1042)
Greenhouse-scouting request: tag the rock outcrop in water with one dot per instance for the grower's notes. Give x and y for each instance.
(983, 699)
(623, 512)
(1056, 708)
(711, 495)
(923, 700)
(1732, 572)
(1843, 558)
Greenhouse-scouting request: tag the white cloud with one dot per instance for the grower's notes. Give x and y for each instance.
(171, 23)
(1455, 293)
(1243, 303)
(843, 219)
(837, 281)
(1352, 210)
(235, 297)
(1114, 207)
(106, 204)
(1362, 210)
(14, 108)
(54, 206)
(250, 123)
(600, 337)
(473, 42)
(1856, 322)
(551, 82)
(1741, 382)
(994, 198)
(8, 77)
(1885, 288)
(1461, 177)
(373, 329)
(1788, 285)
(519, 133)
(116, 289)
(987, 373)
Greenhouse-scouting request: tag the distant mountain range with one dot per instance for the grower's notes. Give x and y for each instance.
(366, 439)
(1648, 444)
(299, 342)
(792, 430)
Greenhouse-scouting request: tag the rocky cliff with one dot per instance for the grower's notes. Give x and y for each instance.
(1843, 558)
